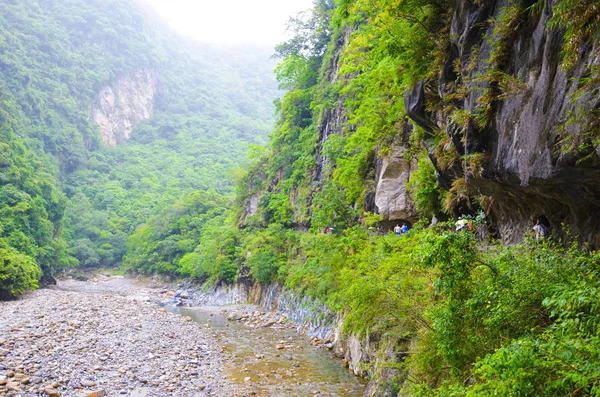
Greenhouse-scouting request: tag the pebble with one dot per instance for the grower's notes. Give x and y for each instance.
(51, 392)
(110, 333)
(87, 383)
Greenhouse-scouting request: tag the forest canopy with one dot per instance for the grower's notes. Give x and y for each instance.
(67, 199)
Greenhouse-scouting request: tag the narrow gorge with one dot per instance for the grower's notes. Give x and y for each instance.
(407, 190)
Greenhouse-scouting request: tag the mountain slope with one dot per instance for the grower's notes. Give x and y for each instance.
(79, 77)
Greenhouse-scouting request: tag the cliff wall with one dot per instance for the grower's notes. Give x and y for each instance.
(508, 122)
(123, 104)
(526, 117)
(509, 125)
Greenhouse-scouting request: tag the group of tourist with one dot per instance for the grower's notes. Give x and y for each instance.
(398, 230)
(540, 229)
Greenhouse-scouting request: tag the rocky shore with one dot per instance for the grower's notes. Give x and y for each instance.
(262, 319)
(105, 339)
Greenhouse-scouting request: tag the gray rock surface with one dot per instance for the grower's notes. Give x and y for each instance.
(392, 196)
(525, 169)
(123, 104)
(218, 296)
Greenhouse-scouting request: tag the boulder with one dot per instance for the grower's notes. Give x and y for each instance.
(392, 195)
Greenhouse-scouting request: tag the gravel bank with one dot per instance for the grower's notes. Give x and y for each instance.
(106, 338)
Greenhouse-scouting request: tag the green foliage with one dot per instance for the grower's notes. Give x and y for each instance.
(293, 72)
(381, 289)
(454, 318)
(18, 272)
(560, 359)
(383, 59)
(331, 208)
(372, 72)
(469, 320)
(31, 208)
(56, 57)
(268, 250)
(217, 255)
(160, 244)
(501, 319)
(426, 192)
(181, 149)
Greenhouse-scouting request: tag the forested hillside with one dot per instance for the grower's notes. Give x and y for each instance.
(107, 118)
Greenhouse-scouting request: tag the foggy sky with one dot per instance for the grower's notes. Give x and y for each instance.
(260, 22)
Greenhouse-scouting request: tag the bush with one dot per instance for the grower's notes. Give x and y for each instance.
(263, 266)
(18, 272)
(516, 321)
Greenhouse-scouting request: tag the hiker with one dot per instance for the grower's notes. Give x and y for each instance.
(404, 228)
(463, 223)
(540, 230)
(434, 221)
(397, 230)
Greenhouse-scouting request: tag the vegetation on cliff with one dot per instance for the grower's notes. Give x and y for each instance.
(31, 209)
(452, 315)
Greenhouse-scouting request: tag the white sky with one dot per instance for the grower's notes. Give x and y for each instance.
(260, 22)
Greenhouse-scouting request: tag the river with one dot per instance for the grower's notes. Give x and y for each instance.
(275, 361)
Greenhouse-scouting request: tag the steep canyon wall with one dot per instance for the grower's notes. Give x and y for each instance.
(123, 104)
(536, 160)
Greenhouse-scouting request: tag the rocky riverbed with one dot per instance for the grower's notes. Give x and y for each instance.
(266, 356)
(108, 338)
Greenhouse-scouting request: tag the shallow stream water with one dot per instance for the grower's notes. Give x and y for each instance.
(256, 364)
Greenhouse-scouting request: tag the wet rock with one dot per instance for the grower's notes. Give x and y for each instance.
(235, 317)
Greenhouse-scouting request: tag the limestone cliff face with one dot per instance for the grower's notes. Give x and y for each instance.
(392, 196)
(123, 104)
(524, 170)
